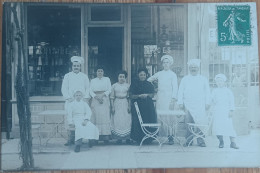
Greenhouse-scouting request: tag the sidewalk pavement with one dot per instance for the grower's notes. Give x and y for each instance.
(56, 156)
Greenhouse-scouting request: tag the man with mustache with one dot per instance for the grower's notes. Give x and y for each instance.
(74, 80)
(194, 96)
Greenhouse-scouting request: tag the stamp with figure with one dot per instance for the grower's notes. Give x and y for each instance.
(234, 25)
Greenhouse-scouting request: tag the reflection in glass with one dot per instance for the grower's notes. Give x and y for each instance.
(53, 37)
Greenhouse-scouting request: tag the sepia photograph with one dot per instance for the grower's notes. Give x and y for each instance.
(123, 86)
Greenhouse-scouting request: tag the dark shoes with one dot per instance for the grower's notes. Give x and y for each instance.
(233, 145)
(90, 144)
(221, 144)
(77, 148)
(171, 141)
(119, 142)
(69, 143)
(129, 142)
(188, 143)
(202, 144)
(106, 142)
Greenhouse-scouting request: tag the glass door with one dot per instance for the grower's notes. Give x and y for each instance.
(105, 49)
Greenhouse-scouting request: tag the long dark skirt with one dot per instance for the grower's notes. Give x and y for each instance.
(148, 115)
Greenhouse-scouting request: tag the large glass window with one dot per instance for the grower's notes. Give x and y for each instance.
(54, 35)
(156, 31)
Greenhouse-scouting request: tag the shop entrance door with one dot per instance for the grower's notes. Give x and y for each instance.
(105, 48)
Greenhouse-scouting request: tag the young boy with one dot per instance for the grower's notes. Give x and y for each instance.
(79, 115)
(223, 108)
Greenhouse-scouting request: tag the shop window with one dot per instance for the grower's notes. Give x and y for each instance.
(157, 31)
(105, 13)
(54, 35)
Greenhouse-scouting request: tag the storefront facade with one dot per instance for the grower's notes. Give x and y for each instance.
(128, 36)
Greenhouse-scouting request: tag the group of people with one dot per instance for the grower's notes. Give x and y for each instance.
(98, 111)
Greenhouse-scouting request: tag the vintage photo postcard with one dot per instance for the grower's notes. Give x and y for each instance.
(117, 86)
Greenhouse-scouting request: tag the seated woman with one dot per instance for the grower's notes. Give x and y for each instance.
(142, 92)
(100, 88)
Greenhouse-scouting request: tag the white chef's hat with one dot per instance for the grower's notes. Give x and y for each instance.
(78, 90)
(77, 59)
(220, 76)
(170, 58)
(194, 62)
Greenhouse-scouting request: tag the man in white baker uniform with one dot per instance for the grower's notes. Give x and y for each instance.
(74, 80)
(167, 84)
(167, 89)
(194, 96)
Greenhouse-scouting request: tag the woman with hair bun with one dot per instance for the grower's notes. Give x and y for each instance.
(142, 92)
(120, 109)
(100, 88)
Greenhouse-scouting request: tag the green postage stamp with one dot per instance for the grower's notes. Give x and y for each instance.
(234, 25)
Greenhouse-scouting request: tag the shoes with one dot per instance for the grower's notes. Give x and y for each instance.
(90, 144)
(119, 142)
(77, 148)
(233, 145)
(202, 144)
(95, 142)
(135, 143)
(187, 144)
(69, 143)
(221, 144)
(171, 141)
(106, 142)
(129, 142)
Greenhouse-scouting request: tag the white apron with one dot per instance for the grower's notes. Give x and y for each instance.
(223, 102)
(77, 113)
(89, 131)
(194, 93)
(167, 88)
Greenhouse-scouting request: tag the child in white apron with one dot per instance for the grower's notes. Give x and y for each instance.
(223, 108)
(79, 115)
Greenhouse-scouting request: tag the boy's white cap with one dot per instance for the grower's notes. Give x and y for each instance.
(220, 76)
(77, 90)
(170, 58)
(194, 61)
(77, 59)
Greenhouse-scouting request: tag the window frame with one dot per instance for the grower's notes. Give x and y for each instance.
(26, 5)
(89, 21)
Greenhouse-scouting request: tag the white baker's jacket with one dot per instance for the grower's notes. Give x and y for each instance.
(167, 88)
(75, 81)
(194, 93)
(78, 112)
